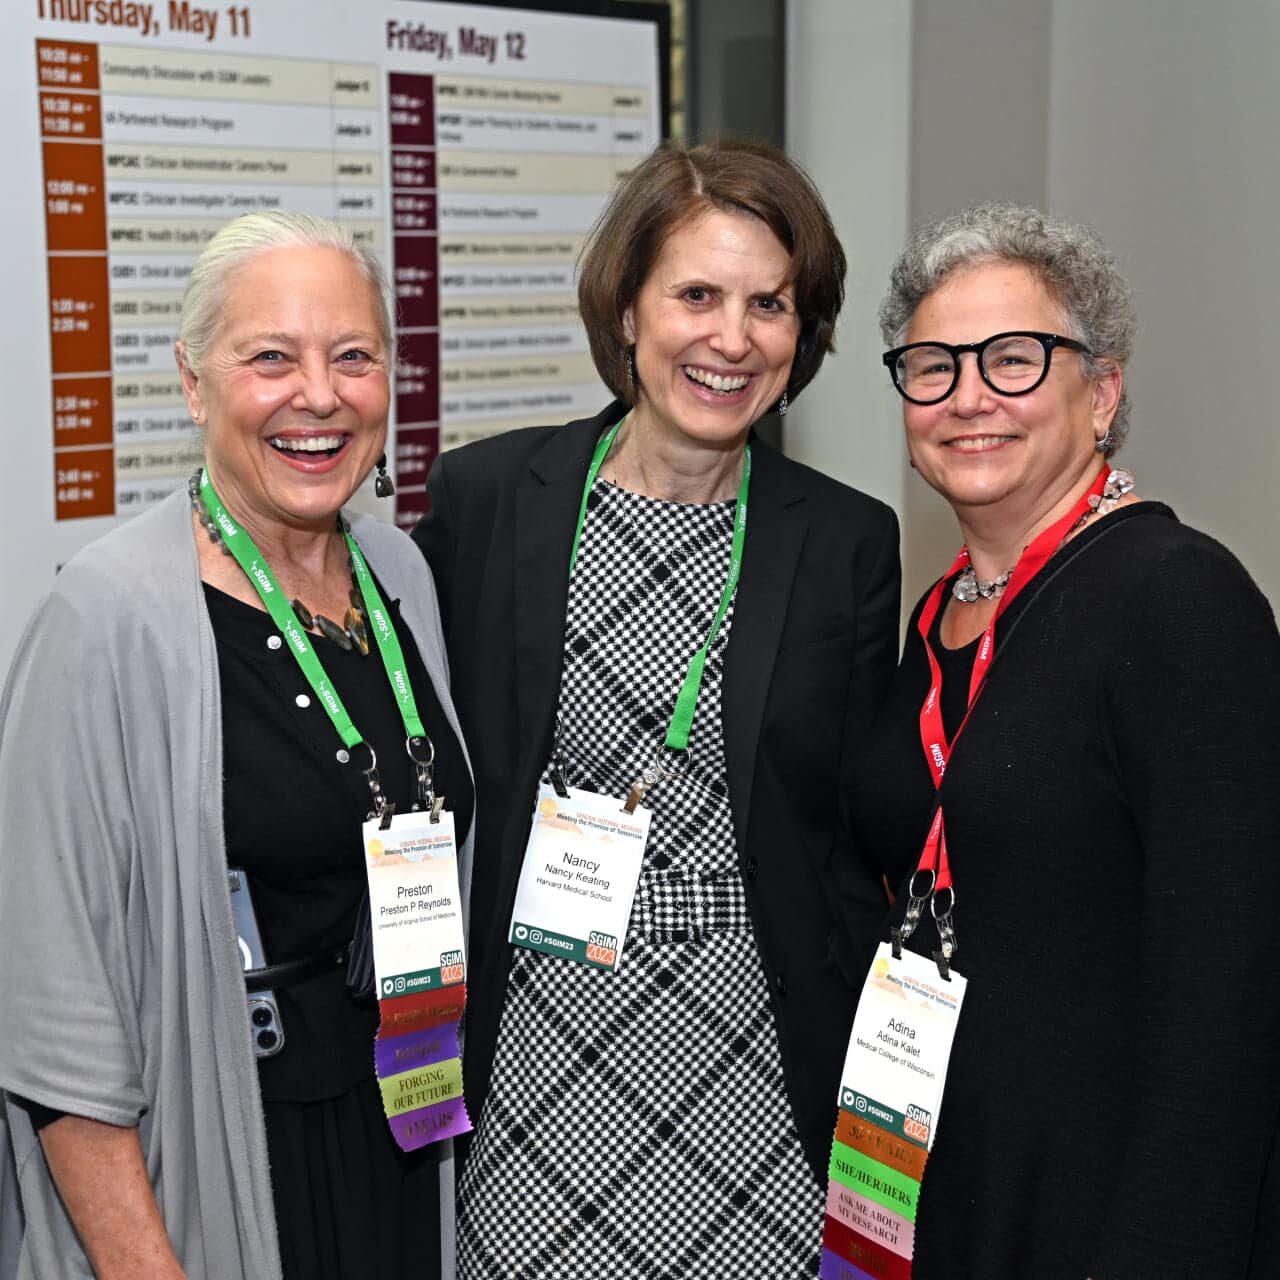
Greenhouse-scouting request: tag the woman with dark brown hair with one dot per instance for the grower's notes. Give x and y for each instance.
(656, 1028)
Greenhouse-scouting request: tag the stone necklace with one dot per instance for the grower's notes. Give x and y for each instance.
(968, 588)
(351, 634)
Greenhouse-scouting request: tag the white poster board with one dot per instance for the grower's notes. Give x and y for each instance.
(470, 145)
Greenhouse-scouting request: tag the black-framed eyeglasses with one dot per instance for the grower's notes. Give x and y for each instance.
(1011, 364)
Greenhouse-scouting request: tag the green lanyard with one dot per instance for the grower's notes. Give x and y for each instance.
(258, 571)
(678, 730)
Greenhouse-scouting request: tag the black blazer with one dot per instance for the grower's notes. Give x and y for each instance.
(812, 647)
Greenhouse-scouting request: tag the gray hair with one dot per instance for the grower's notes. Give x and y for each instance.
(1068, 259)
(254, 233)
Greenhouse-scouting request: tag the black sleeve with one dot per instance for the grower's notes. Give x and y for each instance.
(41, 1116)
(435, 536)
(1193, 713)
(879, 597)
(876, 644)
(855, 869)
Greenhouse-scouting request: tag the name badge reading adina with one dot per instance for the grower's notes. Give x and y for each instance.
(581, 867)
(890, 1096)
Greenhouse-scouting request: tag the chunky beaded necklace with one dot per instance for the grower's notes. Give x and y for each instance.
(352, 634)
(969, 588)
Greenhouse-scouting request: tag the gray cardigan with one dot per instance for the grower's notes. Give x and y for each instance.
(121, 997)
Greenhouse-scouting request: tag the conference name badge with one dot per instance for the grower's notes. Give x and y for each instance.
(414, 904)
(579, 876)
(420, 968)
(890, 1096)
(896, 1064)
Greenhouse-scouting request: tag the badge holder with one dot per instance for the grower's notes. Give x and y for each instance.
(891, 1095)
(579, 875)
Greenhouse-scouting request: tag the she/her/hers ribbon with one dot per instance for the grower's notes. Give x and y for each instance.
(872, 1191)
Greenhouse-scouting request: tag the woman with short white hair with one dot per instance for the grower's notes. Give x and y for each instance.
(157, 731)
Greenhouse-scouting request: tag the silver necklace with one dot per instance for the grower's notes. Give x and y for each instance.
(968, 588)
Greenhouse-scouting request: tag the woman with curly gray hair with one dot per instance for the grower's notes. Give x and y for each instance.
(1072, 782)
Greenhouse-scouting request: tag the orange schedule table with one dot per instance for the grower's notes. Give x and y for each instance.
(146, 152)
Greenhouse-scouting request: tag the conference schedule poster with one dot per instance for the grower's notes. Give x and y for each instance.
(470, 146)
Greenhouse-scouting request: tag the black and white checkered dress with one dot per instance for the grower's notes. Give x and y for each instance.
(636, 1125)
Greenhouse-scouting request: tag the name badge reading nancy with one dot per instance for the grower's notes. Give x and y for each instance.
(414, 904)
(579, 876)
(896, 1065)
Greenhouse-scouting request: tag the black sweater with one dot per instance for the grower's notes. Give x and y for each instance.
(1113, 821)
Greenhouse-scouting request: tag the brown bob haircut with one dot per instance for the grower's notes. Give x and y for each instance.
(676, 184)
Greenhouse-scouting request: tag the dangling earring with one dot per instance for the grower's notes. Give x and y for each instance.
(1106, 443)
(382, 485)
(782, 406)
(631, 373)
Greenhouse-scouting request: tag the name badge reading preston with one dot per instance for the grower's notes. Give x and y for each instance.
(579, 876)
(418, 961)
(414, 904)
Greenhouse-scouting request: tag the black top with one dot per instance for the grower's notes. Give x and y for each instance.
(293, 814)
(1113, 822)
(292, 817)
(812, 648)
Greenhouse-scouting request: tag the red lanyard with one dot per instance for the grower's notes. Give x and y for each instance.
(933, 737)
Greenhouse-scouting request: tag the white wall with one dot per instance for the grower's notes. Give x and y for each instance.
(1153, 120)
(1163, 136)
(848, 123)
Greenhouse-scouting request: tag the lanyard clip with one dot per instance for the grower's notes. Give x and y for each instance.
(652, 774)
(915, 910)
(423, 754)
(382, 808)
(649, 777)
(946, 931)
